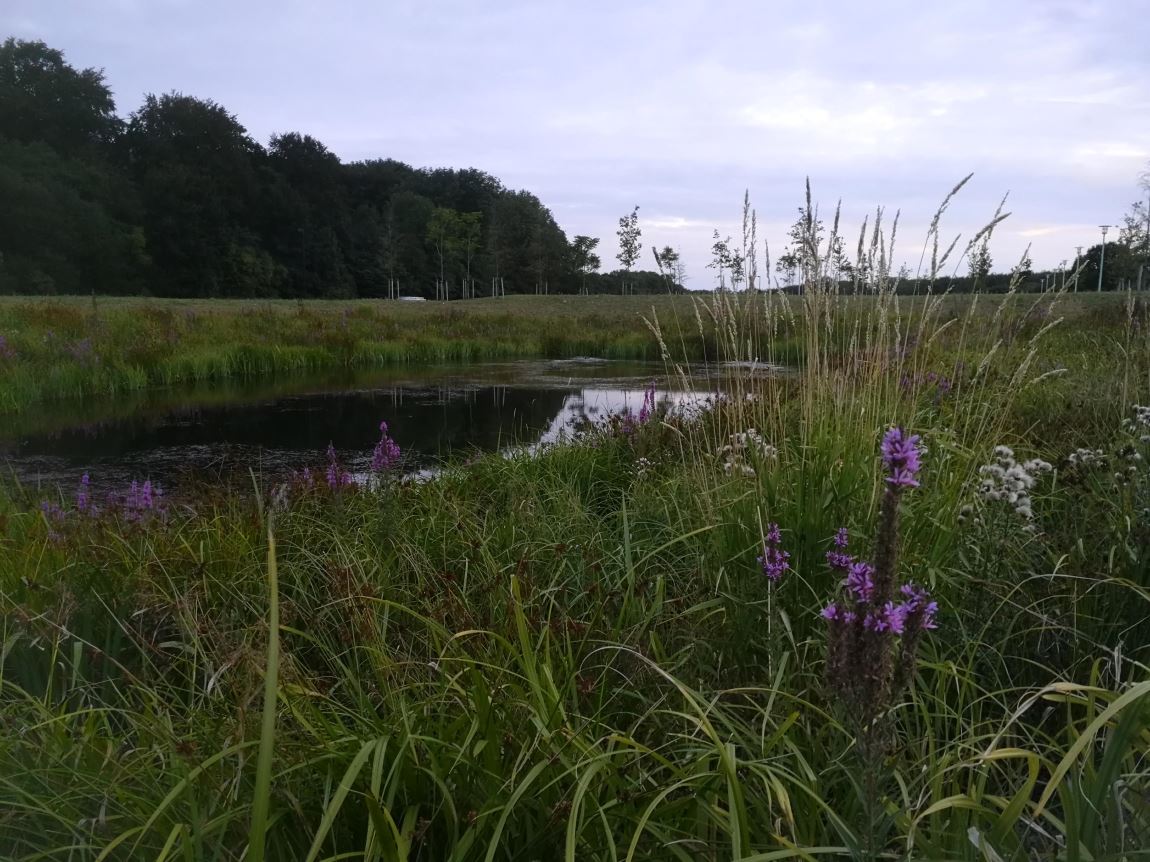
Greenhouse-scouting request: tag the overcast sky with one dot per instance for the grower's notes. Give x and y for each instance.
(678, 105)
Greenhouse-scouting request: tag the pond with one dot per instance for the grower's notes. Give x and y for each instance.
(271, 428)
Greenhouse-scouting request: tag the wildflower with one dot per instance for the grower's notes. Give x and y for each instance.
(337, 477)
(873, 629)
(52, 511)
(1008, 481)
(736, 454)
(387, 452)
(889, 618)
(1086, 458)
(834, 613)
(647, 411)
(860, 580)
(838, 558)
(901, 456)
(917, 604)
(627, 424)
(774, 561)
(7, 352)
(83, 496)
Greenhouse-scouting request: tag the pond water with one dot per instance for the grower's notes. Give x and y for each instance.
(273, 428)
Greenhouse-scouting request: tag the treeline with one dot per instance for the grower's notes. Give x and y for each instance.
(179, 200)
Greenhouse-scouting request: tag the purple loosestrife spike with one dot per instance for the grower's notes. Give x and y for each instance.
(860, 580)
(918, 603)
(839, 561)
(774, 561)
(647, 411)
(387, 452)
(83, 495)
(888, 618)
(901, 457)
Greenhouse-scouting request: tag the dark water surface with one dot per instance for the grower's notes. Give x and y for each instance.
(272, 428)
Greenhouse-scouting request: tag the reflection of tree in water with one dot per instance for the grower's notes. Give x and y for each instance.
(280, 434)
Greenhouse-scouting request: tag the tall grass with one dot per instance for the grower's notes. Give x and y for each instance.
(574, 655)
(68, 348)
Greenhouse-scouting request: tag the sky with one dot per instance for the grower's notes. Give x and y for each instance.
(680, 106)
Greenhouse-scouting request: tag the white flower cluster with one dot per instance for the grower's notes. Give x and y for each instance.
(1139, 423)
(1010, 482)
(742, 448)
(1086, 457)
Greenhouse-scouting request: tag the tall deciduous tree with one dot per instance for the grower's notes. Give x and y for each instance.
(980, 262)
(725, 261)
(670, 264)
(195, 167)
(584, 258)
(629, 235)
(810, 254)
(43, 98)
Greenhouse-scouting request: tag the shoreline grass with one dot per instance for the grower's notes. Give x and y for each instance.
(67, 348)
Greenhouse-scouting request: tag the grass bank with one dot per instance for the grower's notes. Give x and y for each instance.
(72, 347)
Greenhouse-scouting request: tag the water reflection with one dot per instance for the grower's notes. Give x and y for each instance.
(217, 434)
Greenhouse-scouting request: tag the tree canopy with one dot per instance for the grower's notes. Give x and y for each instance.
(178, 199)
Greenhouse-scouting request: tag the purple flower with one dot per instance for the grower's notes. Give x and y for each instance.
(83, 496)
(860, 580)
(888, 618)
(337, 477)
(833, 613)
(52, 510)
(627, 423)
(774, 561)
(387, 451)
(838, 558)
(901, 457)
(647, 411)
(6, 350)
(839, 561)
(918, 603)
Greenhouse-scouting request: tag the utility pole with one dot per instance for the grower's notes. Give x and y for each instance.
(1102, 259)
(1146, 263)
(1077, 264)
(1062, 269)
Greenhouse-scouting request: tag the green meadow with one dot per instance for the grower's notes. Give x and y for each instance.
(575, 653)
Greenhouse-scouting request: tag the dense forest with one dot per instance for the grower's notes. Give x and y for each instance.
(179, 200)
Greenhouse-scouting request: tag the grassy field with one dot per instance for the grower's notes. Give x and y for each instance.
(70, 347)
(578, 655)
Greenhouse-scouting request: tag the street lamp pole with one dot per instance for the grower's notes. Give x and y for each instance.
(1077, 264)
(1102, 259)
(1146, 265)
